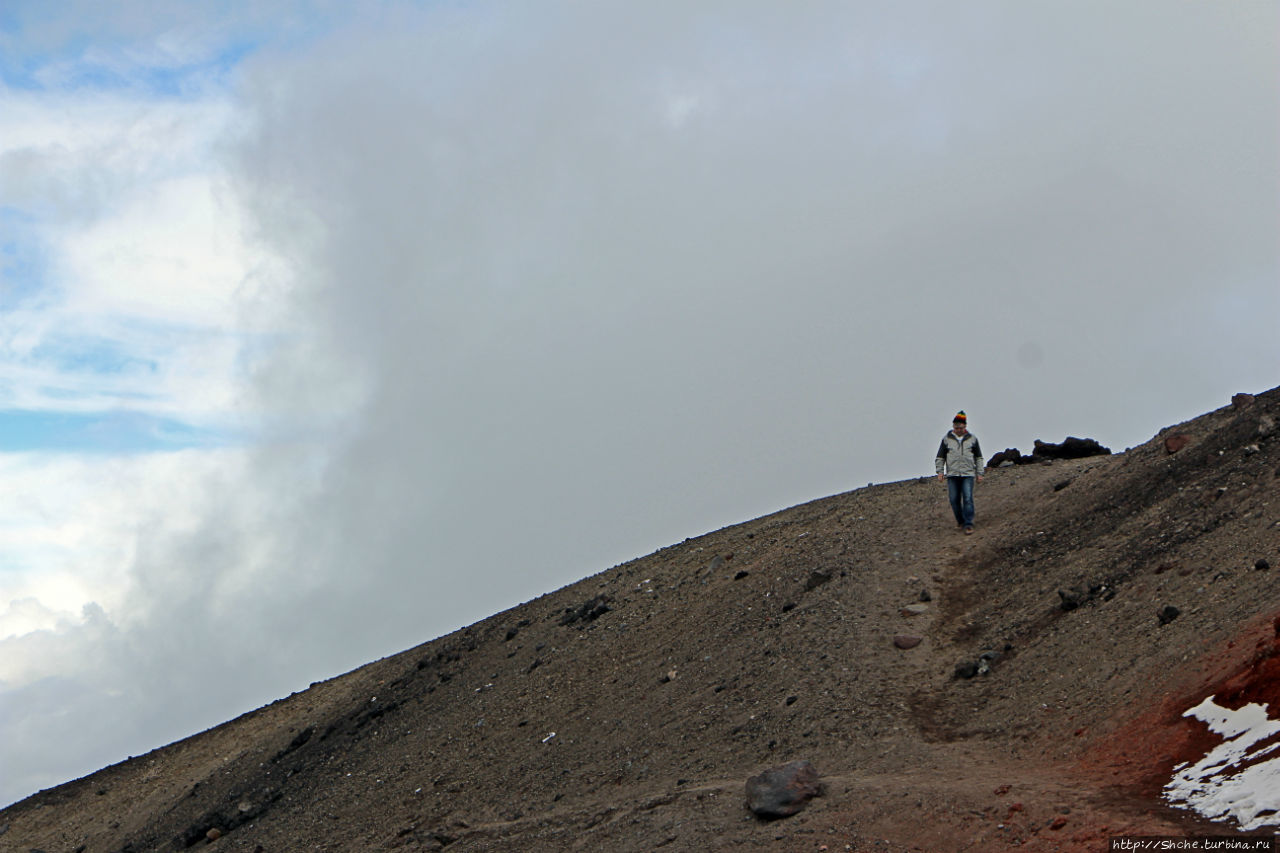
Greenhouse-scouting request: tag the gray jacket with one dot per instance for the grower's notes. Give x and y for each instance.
(959, 457)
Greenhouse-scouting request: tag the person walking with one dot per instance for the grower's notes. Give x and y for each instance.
(959, 462)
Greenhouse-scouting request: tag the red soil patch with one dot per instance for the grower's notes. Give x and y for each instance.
(1139, 756)
(1260, 682)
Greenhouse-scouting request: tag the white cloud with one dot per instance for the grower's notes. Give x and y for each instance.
(72, 527)
(568, 320)
(136, 298)
(122, 571)
(169, 253)
(71, 155)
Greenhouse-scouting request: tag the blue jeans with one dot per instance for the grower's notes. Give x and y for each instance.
(960, 492)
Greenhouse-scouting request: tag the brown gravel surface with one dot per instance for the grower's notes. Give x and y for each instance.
(626, 712)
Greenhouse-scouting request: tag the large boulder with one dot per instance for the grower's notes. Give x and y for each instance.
(783, 791)
(1071, 448)
(1008, 456)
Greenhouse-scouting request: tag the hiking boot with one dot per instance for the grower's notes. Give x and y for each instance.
(968, 530)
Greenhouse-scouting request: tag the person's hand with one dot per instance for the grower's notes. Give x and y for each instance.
(941, 478)
(979, 478)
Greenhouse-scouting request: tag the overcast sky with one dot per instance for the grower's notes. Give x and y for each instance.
(328, 328)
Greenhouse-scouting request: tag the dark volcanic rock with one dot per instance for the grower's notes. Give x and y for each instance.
(1168, 613)
(588, 611)
(1008, 456)
(1072, 598)
(783, 791)
(817, 578)
(1071, 448)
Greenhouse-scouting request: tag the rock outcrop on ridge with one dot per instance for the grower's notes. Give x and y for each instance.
(1044, 451)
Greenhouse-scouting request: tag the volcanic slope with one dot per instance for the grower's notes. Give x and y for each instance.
(626, 711)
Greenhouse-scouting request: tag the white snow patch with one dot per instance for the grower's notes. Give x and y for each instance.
(1236, 780)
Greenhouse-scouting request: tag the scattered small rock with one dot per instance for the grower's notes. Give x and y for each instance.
(1168, 613)
(1059, 486)
(740, 575)
(925, 595)
(1262, 564)
(1058, 823)
(588, 611)
(907, 641)
(1071, 598)
(915, 610)
(783, 791)
(967, 669)
(1266, 426)
(1176, 442)
(817, 578)
(1240, 401)
(213, 834)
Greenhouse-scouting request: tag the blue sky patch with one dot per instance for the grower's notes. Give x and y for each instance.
(158, 80)
(98, 55)
(100, 356)
(22, 268)
(100, 432)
